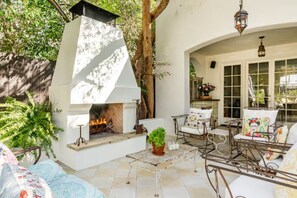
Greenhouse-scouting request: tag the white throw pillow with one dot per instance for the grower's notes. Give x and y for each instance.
(292, 137)
(198, 114)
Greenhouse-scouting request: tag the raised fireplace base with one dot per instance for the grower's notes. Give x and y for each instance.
(102, 150)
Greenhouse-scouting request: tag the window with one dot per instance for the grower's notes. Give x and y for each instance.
(258, 84)
(232, 91)
(285, 89)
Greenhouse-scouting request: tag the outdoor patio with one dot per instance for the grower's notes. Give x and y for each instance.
(179, 181)
(92, 85)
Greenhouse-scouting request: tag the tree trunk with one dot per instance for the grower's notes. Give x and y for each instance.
(148, 55)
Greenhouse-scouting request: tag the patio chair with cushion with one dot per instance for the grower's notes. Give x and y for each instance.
(196, 125)
(256, 125)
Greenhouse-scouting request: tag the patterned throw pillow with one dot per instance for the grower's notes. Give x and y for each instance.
(288, 165)
(6, 156)
(196, 115)
(281, 136)
(18, 182)
(255, 126)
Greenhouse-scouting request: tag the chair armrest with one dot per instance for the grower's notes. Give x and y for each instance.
(219, 166)
(179, 116)
(235, 121)
(23, 151)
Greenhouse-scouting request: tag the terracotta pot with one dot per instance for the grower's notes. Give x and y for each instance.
(205, 97)
(158, 150)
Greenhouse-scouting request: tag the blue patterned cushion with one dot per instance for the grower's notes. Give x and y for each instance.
(47, 170)
(18, 182)
(71, 186)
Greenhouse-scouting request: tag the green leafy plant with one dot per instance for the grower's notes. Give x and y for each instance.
(27, 124)
(157, 137)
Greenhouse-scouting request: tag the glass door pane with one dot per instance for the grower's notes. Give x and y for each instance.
(232, 91)
(258, 84)
(285, 89)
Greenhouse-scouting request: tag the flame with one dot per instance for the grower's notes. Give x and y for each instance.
(98, 122)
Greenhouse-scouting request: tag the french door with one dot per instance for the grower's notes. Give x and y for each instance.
(285, 89)
(232, 91)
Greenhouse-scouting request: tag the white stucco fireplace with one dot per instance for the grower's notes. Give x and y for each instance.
(93, 67)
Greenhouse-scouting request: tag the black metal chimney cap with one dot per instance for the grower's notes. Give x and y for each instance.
(89, 10)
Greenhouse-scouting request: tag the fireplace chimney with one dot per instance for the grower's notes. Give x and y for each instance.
(89, 10)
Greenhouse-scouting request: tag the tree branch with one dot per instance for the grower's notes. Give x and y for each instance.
(59, 9)
(159, 9)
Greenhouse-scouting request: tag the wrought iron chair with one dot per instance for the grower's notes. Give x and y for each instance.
(256, 125)
(196, 125)
(252, 176)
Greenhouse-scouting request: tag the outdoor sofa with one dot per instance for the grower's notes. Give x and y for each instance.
(45, 179)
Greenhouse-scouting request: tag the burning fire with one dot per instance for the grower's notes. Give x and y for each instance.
(98, 122)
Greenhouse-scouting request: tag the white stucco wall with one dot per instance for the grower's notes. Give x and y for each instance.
(187, 25)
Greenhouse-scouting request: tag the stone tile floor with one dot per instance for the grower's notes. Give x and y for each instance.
(179, 181)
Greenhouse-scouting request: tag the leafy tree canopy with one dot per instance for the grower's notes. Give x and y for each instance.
(34, 28)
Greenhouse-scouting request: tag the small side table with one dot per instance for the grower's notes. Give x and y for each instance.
(223, 136)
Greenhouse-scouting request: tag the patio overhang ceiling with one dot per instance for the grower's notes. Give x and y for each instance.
(251, 41)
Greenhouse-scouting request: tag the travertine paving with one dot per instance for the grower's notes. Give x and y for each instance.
(179, 181)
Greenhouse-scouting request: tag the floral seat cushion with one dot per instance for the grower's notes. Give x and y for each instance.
(18, 182)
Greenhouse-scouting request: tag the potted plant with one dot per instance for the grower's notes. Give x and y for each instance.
(157, 139)
(206, 89)
(24, 125)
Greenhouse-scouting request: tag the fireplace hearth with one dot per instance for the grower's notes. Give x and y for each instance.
(105, 120)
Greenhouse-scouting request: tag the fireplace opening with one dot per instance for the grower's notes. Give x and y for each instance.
(105, 120)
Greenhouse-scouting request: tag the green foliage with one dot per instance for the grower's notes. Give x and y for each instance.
(192, 70)
(25, 125)
(260, 94)
(34, 28)
(157, 137)
(31, 28)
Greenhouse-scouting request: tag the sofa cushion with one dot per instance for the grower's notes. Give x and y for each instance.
(292, 136)
(6, 156)
(18, 182)
(244, 137)
(71, 186)
(47, 170)
(242, 186)
(288, 165)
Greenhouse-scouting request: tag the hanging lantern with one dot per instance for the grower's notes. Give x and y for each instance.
(261, 50)
(240, 19)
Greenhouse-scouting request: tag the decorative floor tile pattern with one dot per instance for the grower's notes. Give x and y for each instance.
(179, 181)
